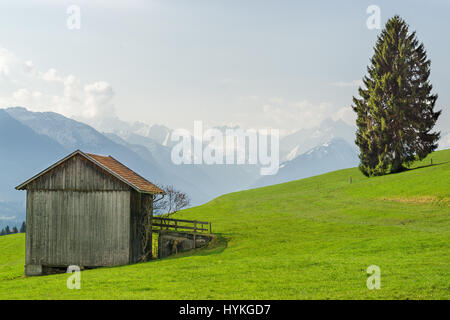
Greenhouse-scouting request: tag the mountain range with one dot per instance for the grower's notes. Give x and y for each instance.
(32, 141)
(303, 140)
(329, 156)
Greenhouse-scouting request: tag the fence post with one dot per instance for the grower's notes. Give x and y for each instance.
(159, 244)
(210, 228)
(195, 230)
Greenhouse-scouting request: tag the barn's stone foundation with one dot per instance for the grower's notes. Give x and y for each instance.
(172, 242)
(33, 270)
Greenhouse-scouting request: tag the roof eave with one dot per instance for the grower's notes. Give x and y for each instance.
(152, 193)
(24, 184)
(119, 176)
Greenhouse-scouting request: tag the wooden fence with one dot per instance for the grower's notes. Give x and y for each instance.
(193, 226)
(181, 225)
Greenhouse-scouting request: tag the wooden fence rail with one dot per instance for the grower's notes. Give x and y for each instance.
(193, 226)
(180, 224)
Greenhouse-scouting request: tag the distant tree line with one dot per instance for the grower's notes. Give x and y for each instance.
(7, 230)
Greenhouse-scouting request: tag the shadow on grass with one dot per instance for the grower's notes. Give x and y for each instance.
(217, 245)
(406, 169)
(426, 166)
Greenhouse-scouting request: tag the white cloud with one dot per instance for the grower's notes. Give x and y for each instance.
(98, 99)
(288, 115)
(346, 114)
(7, 61)
(229, 82)
(8, 218)
(28, 67)
(295, 115)
(21, 94)
(52, 76)
(37, 95)
(444, 142)
(25, 85)
(102, 4)
(344, 84)
(277, 100)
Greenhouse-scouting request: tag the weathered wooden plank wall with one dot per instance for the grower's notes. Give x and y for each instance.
(139, 203)
(77, 173)
(78, 214)
(85, 229)
(135, 227)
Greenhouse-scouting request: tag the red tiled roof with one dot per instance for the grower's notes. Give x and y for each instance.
(110, 165)
(125, 173)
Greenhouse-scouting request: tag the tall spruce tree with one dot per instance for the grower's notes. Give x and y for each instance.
(395, 111)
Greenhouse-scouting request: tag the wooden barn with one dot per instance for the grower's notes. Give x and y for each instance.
(86, 210)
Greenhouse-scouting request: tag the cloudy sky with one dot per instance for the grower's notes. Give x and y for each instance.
(281, 64)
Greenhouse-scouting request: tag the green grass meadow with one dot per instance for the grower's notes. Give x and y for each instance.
(307, 239)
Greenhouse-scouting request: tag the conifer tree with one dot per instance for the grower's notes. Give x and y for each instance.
(395, 110)
(23, 228)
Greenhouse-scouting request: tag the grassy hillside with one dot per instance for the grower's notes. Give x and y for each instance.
(308, 239)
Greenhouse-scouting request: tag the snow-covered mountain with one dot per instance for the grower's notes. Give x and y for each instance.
(123, 129)
(160, 134)
(32, 141)
(72, 135)
(333, 155)
(219, 179)
(301, 141)
(23, 153)
(143, 154)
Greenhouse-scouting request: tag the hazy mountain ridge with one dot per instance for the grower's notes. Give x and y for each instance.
(303, 140)
(75, 135)
(32, 141)
(23, 153)
(218, 179)
(333, 155)
(124, 130)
